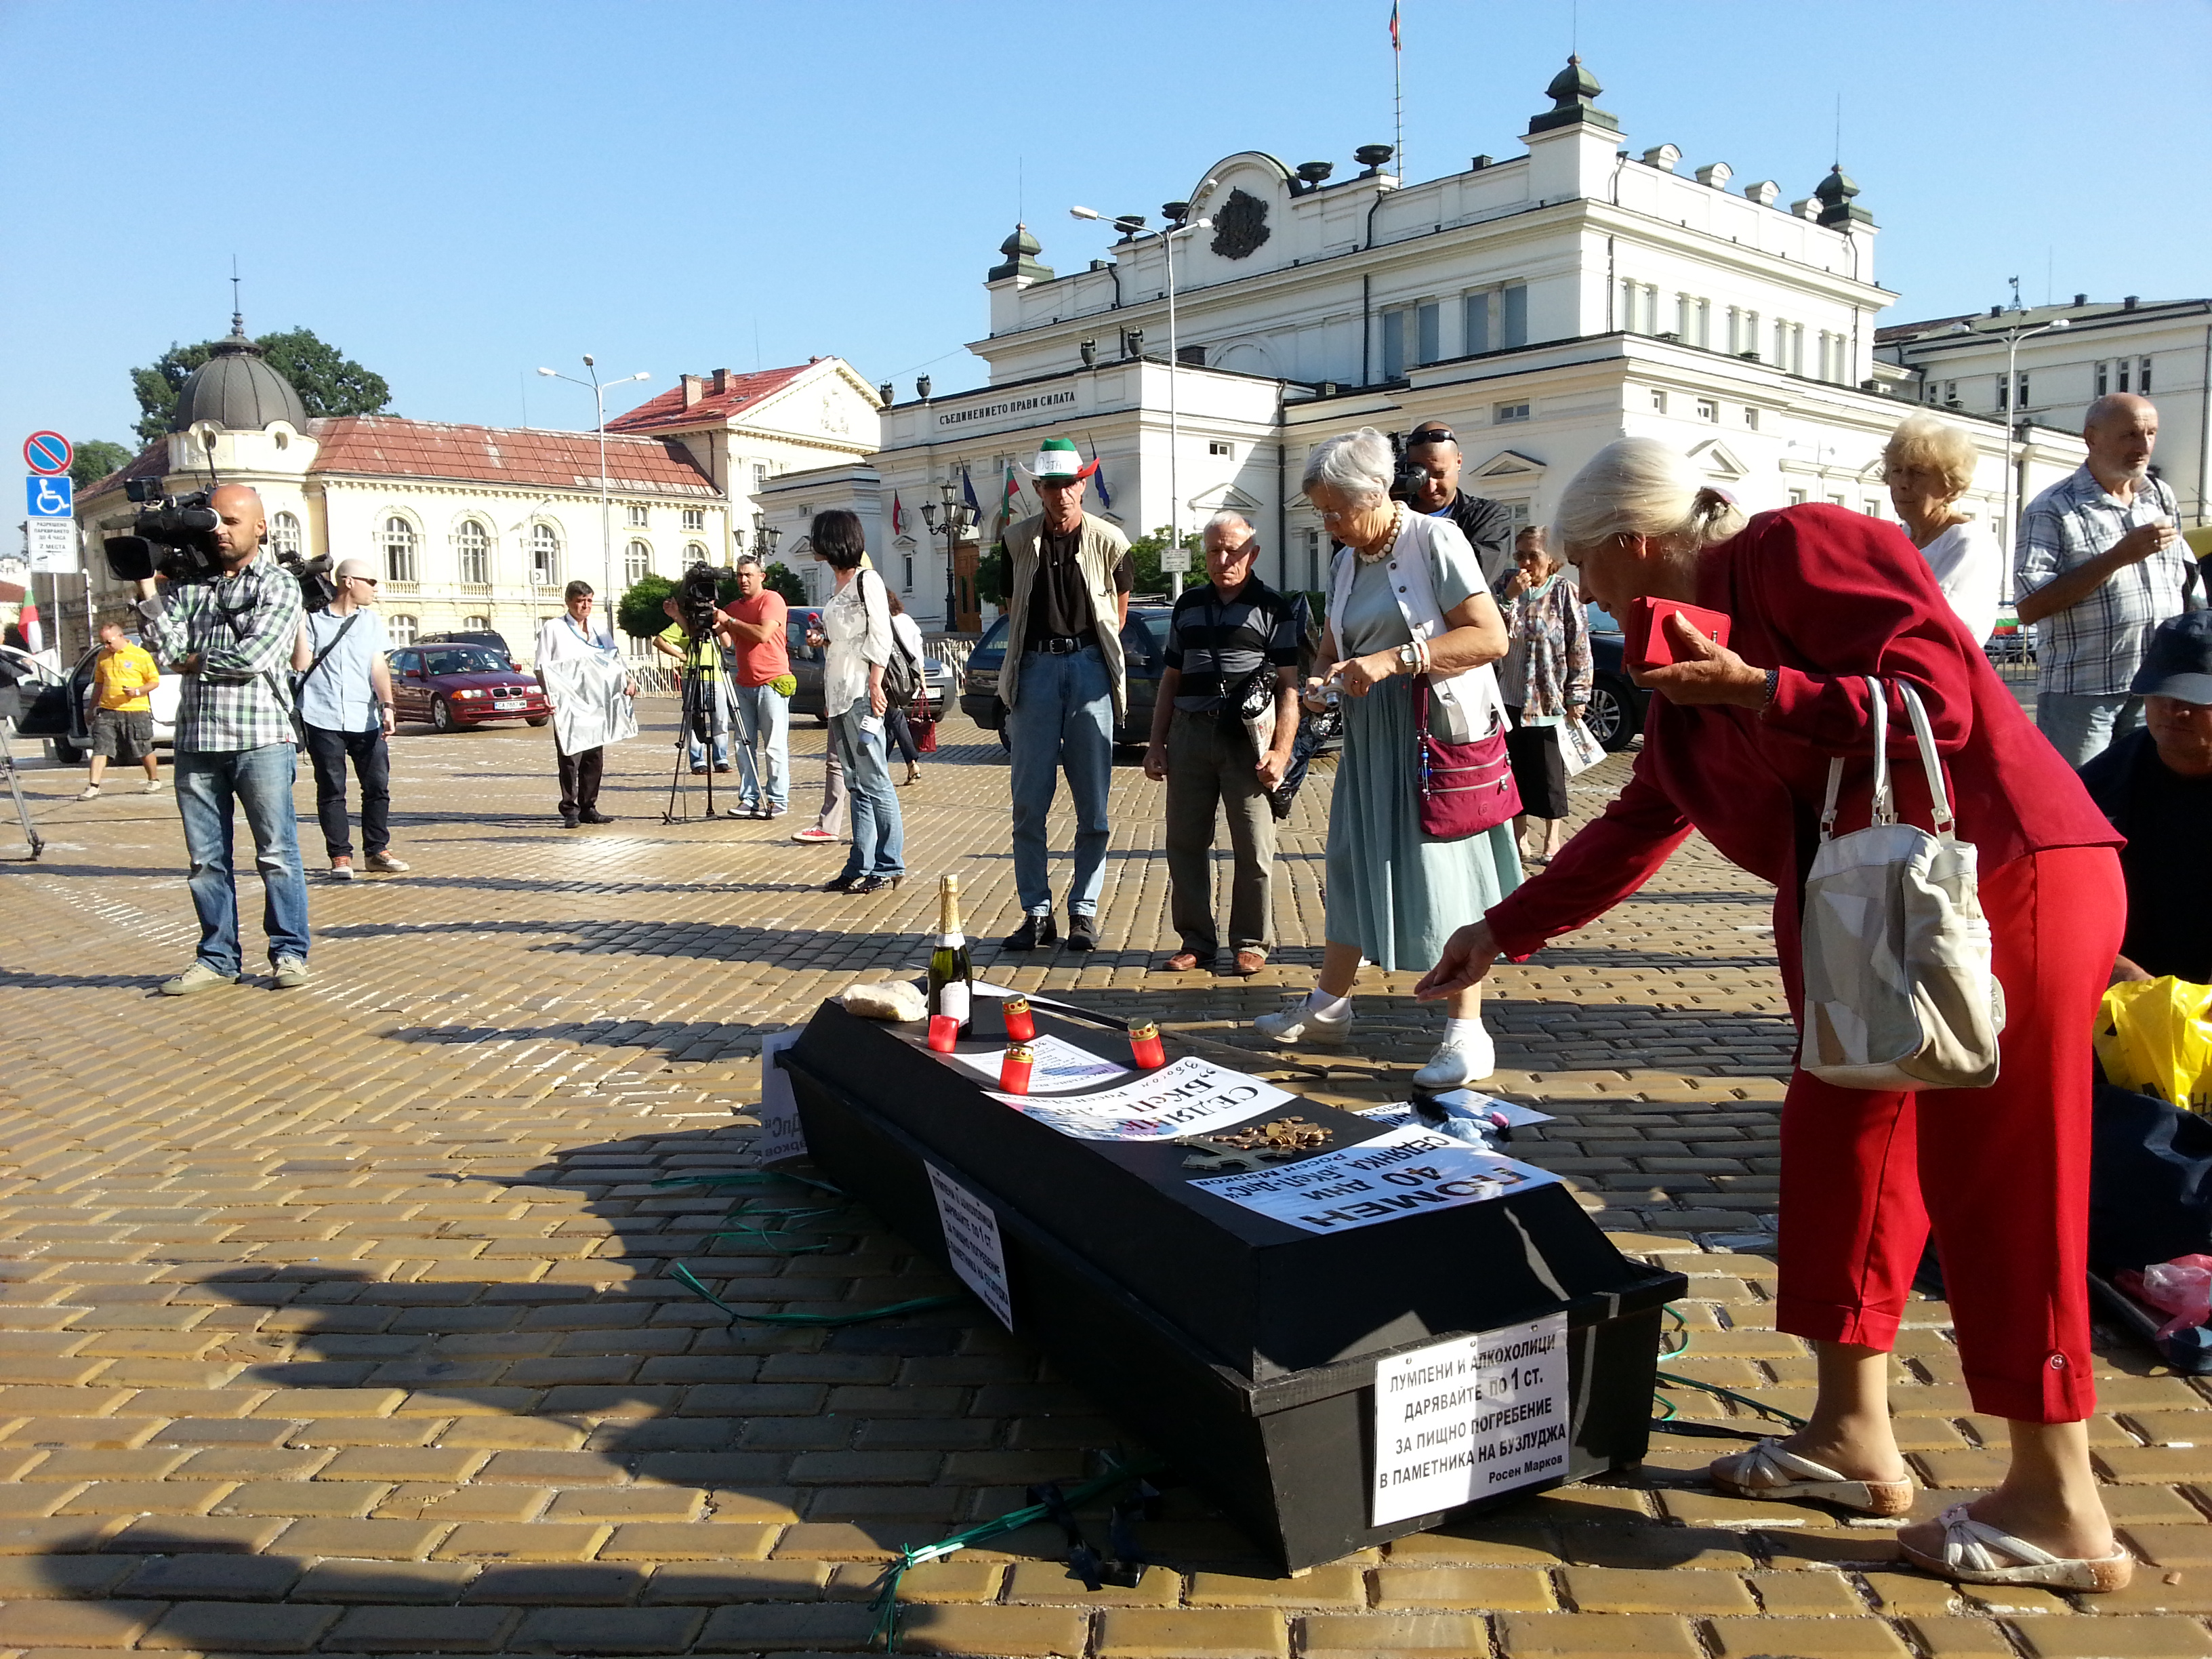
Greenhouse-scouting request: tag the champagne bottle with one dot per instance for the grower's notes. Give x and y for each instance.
(951, 969)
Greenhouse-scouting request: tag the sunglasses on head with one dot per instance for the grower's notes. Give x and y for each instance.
(1433, 434)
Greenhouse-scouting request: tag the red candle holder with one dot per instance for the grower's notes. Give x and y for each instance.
(944, 1033)
(1021, 1023)
(1145, 1046)
(1014, 1070)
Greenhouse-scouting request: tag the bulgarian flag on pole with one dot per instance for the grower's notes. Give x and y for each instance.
(1010, 503)
(1395, 44)
(898, 515)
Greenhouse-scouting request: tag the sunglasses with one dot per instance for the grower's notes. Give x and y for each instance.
(371, 580)
(1433, 435)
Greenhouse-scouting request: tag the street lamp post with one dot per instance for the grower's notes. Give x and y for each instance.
(955, 514)
(2008, 400)
(1133, 226)
(598, 390)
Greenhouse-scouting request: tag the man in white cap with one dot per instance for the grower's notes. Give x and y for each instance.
(1067, 589)
(345, 706)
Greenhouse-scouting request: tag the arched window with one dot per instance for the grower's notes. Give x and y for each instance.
(284, 535)
(695, 553)
(472, 542)
(544, 556)
(398, 550)
(637, 563)
(475, 624)
(402, 630)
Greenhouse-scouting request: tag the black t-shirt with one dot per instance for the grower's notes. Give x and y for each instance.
(1488, 527)
(2167, 820)
(1059, 601)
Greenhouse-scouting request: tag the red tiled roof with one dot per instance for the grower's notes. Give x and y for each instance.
(711, 407)
(386, 446)
(150, 462)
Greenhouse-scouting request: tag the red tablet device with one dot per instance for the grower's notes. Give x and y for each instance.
(1648, 645)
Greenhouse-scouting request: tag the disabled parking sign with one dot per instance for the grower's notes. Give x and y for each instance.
(47, 497)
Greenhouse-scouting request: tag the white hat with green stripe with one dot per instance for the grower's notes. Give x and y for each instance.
(1058, 462)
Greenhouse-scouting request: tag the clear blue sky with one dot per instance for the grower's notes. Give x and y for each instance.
(455, 193)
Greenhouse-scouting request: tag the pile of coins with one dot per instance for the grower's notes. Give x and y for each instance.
(1285, 1135)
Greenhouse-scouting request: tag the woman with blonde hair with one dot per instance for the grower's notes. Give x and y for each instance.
(1928, 464)
(1407, 601)
(1737, 745)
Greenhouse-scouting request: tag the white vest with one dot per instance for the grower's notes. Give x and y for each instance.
(1463, 707)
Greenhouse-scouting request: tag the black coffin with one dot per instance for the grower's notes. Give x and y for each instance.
(1240, 1348)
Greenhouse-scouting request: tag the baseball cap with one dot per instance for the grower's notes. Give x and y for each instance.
(2179, 661)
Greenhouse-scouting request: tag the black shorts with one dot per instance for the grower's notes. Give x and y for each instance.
(122, 734)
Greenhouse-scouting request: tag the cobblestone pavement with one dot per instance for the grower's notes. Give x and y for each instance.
(338, 1321)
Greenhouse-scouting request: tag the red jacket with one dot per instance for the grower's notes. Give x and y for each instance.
(1826, 596)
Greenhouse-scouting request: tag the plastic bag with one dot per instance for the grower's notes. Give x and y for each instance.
(2154, 1036)
(2182, 1287)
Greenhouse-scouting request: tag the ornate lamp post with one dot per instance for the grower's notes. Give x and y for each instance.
(953, 512)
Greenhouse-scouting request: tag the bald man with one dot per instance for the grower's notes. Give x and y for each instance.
(231, 637)
(2099, 564)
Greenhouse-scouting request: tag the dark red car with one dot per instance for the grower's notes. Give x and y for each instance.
(456, 685)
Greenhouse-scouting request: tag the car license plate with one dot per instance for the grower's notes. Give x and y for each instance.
(511, 702)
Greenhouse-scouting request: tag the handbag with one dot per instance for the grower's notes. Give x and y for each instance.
(925, 741)
(1465, 789)
(1578, 748)
(1899, 994)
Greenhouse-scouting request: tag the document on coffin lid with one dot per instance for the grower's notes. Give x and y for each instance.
(971, 1242)
(1059, 1065)
(1406, 1172)
(1192, 1096)
(1470, 1417)
(781, 1136)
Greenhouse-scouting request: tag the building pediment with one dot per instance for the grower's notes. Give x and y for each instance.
(1509, 465)
(1717, 460)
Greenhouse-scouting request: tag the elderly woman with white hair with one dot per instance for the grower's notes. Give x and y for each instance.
(1408, 607)
(1738, 746)
(1928, 464)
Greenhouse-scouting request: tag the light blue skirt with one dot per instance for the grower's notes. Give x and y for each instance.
(1394, 892)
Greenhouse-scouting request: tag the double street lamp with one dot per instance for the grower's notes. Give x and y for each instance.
(1132, 226)
(598, 390)
(956, 518)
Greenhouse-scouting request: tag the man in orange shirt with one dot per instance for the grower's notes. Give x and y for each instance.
(754, 625)
(123, 676)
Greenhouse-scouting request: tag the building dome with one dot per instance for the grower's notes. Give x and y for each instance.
(1021, 250)
(237, 390)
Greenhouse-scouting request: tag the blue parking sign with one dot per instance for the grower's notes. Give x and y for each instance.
(49, 498)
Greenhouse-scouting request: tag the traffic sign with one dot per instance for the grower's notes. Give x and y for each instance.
(53, 544)
(49, 498)
(1175, 561)
(48, 453)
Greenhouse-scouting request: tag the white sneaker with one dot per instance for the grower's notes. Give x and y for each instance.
(288, 972)
(340, 872)
(1454, 1065)
(90, 792)
(1294, 1022)
(195, 979)
(152, 786)
(383, 864)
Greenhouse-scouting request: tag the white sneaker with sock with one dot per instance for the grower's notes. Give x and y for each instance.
(1466, 1055)
(1318, 1017)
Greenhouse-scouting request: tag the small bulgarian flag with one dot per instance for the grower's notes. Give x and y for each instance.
(1395, 44)
(1010, 503)
(898, 515)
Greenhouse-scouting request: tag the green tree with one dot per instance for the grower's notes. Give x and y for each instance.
(1144, 555)
(95, 458)
(640, 614)
(328, 381)
(785, 581)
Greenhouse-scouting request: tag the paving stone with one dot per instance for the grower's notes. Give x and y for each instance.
(1962, 1638)
(241, 1627)
(24, 1578)
(750, 1627)
(1519, 1589)
(1573, 1636)
(497, 1540)
(70, 1623)
(1599, 1590)
(2114, 1638)
(1807, 1638)
(386, 1581)
(174, 1534)
(717, 1582)
(424, 1629)
(567, 1585)
(211, 1578)
(1323, 1637)
(373, 1540)
(1218, 1633)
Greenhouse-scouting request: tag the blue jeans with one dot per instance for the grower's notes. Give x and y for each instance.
(260, 781)
(878, 832)
(717, 721)
(2081, 727)
(1064, 718)
(764, 728)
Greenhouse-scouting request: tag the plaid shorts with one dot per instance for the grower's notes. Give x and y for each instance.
(122, 734)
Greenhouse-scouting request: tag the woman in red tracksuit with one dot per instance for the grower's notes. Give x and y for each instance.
(1737, 747)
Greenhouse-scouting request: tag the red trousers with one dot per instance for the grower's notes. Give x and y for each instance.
(2002, 1173)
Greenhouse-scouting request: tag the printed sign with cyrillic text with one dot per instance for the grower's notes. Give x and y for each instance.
(1470, 1418)
(1406, 1172)
(971, 1240)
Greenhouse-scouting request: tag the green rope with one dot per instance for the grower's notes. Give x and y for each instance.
(684, 1276)
(886, 1587)
(1666, 1407)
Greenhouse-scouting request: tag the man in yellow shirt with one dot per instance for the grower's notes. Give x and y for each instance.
(122, 712)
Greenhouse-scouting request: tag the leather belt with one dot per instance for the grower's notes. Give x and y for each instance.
(1062, 645)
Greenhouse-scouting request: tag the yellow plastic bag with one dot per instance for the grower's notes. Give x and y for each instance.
(2154, 1036)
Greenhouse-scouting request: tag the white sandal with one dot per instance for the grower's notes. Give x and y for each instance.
(1976, 1553)
(1768, 1472)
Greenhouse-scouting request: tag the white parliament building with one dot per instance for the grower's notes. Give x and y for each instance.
(1540, 305)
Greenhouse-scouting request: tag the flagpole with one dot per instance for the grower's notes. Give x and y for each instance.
(1398, 76)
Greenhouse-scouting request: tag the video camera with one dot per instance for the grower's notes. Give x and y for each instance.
(698, 595)
(173, 538)
(1408, 477)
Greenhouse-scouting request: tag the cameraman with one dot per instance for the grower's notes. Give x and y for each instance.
(698, 656)
(1487, 525)
(231, 638)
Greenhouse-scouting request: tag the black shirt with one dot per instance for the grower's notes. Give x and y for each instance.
(1060, 599)
(1216, 643)
(2167, 820)
(1489, 526)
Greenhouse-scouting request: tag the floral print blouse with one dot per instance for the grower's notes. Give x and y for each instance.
(1546, 671)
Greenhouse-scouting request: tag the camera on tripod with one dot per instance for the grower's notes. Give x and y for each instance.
(173, 538)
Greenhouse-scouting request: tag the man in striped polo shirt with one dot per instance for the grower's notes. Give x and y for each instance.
(1224, 635)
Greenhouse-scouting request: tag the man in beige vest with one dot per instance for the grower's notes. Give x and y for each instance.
(1068, 596)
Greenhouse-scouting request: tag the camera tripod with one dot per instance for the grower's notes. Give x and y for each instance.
(701, 709)
(10, 707)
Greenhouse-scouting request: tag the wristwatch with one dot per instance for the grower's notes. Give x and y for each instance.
(1409, 660)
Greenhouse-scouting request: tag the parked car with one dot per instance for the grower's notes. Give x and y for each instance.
(1617, 703)
(456, 685)
(806, 662)
(1144, 638)
(60, 708)
(496, 641)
